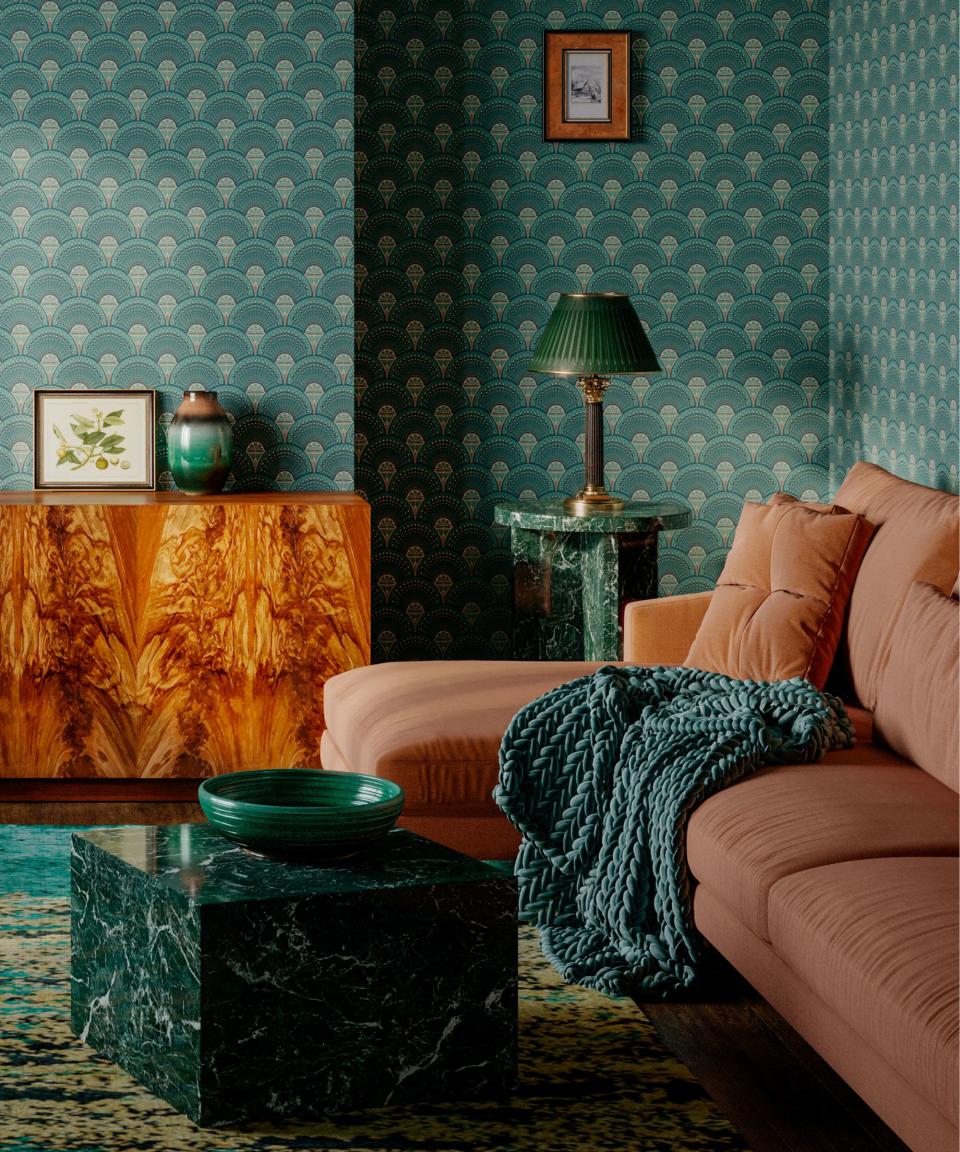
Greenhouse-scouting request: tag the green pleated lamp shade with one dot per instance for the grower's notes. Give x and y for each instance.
(594, 334)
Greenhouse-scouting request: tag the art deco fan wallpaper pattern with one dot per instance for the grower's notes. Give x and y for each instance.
(176, 211)
(714, 218)
(895, 256)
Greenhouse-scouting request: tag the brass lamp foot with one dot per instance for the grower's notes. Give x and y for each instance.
(592, 499)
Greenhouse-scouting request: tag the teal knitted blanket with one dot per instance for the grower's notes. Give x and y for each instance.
(601, 776)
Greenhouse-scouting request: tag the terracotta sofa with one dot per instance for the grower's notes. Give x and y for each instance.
(832, 887)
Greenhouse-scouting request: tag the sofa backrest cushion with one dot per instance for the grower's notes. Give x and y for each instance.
(780, 601)
(918, 703)
(916, 538)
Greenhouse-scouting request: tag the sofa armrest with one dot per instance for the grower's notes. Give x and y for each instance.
(661, 631)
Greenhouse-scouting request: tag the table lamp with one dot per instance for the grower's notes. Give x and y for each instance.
(593, 335)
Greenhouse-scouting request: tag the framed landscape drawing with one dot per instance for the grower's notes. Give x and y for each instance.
(586, 86)
(96, 439)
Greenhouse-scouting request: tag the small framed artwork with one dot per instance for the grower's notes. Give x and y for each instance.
(97, 439)
(586, 86)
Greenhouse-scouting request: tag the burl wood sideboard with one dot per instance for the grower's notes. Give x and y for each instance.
(155, 636)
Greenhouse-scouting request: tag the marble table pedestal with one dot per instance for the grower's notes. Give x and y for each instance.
(574, 574)
(240, 988)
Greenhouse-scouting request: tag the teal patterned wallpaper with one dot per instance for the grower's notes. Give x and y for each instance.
(714, 217)
(176, 195)
(895, 197)
(176, 210)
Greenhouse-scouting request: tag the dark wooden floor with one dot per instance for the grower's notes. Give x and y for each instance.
(764, 1077)
(771, 1085)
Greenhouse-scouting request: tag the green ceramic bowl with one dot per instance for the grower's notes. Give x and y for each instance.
(301, 811)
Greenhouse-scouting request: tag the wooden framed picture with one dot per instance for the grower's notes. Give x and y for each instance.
(586, 86)
(103, 438)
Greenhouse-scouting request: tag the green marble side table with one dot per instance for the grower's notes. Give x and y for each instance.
(572, 575)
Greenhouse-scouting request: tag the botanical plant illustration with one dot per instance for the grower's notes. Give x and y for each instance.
(93, 442)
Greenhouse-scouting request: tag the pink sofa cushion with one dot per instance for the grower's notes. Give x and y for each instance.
(916, 539)
(779, 606)
(918, 704)
(859, 803)
(434, 726)
(877, 941)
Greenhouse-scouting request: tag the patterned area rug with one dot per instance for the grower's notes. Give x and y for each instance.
(593, 1073)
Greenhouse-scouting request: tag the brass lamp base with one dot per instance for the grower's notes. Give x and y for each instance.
(592, 499)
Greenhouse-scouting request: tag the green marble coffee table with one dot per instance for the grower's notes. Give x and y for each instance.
(572, 575)
(239, 988)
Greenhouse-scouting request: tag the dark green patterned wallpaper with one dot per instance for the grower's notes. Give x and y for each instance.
(176, 211)
(714, 217)
(895, 259)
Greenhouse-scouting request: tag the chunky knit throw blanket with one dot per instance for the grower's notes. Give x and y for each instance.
(601, 776)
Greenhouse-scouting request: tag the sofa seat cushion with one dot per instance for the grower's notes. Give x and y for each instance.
(855, 804)
(434, 726)
(876, 940)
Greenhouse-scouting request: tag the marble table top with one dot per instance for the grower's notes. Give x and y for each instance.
(551, 516)
(196, 861)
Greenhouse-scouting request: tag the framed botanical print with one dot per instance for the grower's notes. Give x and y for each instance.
(586, 86)
(97, 439)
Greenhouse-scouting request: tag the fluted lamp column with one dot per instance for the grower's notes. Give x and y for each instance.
(593, 335)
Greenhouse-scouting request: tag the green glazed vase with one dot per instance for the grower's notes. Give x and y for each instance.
(200, 444)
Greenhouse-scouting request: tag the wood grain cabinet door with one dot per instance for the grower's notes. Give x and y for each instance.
(77, 645)
(176, 638)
